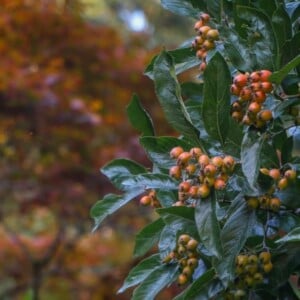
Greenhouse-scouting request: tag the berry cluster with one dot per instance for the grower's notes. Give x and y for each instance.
(150, 199)
(205, 39)
(250, 270)
(266, 201)
(252, 90)
(199, 174)
(186, 255)
(282, 179)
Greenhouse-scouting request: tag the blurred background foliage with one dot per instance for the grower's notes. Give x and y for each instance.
(68, 69)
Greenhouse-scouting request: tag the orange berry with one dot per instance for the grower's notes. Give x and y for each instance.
(290, 174)
(246, 94)
(183, 158)
(198, 25)
(235, 90)
(254, 107)
(184, 186)
(182, 279)
(208, 45)
(217, 161)
(236, 106)
(265, 257)
(267, 267)
(266, 87)
(255, 86)
(275, 204)
(210, 170)
(190, 169)
(187, 271)
(282, 183)
(240, 80)
(203, 191)
(253, 202)
(237, 116)
(265, 115)
(183, 239)
(192, 262)
(192, 245)
(201, 53)
(203, 160)
(145, 200)
(212, 34)
(228, 162)
(202, 66)
(264, 171)
(264, 75)
(176, 151)
(209, 181)
(254, 77)
(259, 96)
(196, 152)
(175, 172)
(204, 30)
(275, 174)
(219, 184)
(193, 191)
(205, 17)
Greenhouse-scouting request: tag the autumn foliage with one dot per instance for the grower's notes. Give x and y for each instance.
(64, 84)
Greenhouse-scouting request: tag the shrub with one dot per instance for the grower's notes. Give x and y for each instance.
(226, 190)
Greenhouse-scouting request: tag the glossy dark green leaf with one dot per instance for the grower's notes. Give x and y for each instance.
(282, 106)
(176, 214)
(158, 279)
(261, 38)
(184, 59)
(150, 181)
(278, 76)
(158, 149)
(110, 204)
(148, 237)
(250, 156)
(292, 236)
(216, 98)
(290, 195)
(236, 49)
(205, 287)
(208, 225)
(284, 264)
(234, 139)
(168, 92)
(141, 271)
(119, 169)
(268, 7)
(187, 8)
(293, 10)
(282, 25)
(233, 237)
(139, 117)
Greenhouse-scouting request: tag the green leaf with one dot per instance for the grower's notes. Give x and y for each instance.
(158, 279)
(176, 214)
(110, 204)
(292, 237)
(284, 264)
(268, 7)
(120, 169)
(148, 237)
(183, 7)
(158, 149)
(150, 181)
(216, 94)
(250, 157)
(234, 139)
(261, 37)
(184, 58)
(282, 25)
(234, 234)
(169, 95)
(203, 288)
(141, 272)
(278, 76)
(208, 226)
(290, 196)
(139, 118)
(236, 49)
